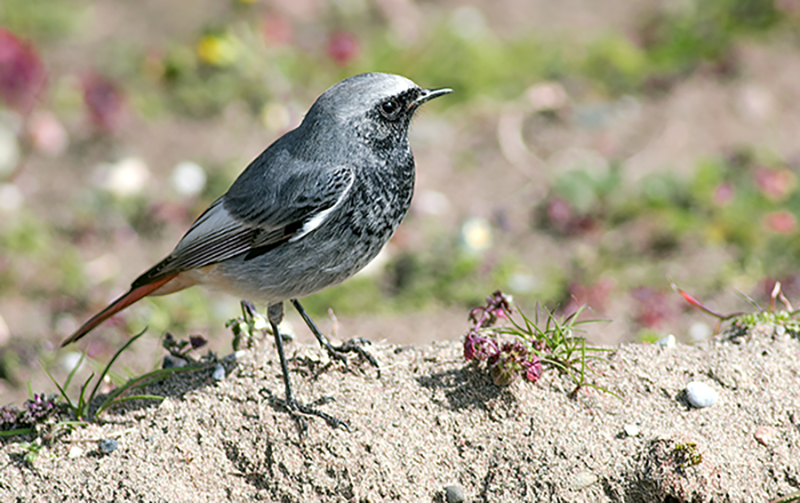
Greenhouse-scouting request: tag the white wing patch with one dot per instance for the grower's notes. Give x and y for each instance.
(318, 218)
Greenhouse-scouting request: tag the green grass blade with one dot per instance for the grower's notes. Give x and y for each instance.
(83, 405)
(60, 390)
(11, 433)
(113, 359)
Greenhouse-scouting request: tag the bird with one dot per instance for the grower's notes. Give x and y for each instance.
(315, 207)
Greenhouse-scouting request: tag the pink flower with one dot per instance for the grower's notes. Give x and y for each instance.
(724, 194)
(277, 31)
(533, 368)
(343, 48)
(775, 184)
(479, 347)
(781, 221)
(22, 75)
(104, 101)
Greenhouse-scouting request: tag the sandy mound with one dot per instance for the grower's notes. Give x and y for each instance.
(428, 421)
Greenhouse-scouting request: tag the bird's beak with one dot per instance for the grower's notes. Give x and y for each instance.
(427, 95)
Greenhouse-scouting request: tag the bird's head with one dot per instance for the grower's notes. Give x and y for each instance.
(372, 107)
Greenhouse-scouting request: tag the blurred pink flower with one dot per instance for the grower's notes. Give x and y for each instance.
(343, 48)
(651, 307)
(559, 212)
(277, 30)
(104, 101)
(22, 75)
(724, 194)
(562, 218)
(594, 295)
(775, 184)
(781, 221)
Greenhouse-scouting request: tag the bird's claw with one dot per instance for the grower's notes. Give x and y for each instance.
(354, 345)
(299, 411)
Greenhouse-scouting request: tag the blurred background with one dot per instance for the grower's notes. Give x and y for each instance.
(594, 152)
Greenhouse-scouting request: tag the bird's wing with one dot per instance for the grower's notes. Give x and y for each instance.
(265, 208)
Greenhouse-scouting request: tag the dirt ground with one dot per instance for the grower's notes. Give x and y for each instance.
(427, 421)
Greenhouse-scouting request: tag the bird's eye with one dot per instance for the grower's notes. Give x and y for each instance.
(390, 109)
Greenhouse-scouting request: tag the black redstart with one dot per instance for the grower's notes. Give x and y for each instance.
(309, 212)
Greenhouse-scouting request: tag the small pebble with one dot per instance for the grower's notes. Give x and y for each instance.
(765, 435)
(583, 480)
(75, 452)
(172, 362)
(236, 355)
(667, 342)
(700, 394)
(107, 446)
(219, 372)
(454, 494)
(632, 430)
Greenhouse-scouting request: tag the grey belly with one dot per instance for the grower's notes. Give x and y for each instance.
(301, 268)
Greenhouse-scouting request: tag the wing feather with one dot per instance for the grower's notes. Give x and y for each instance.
(255, 217)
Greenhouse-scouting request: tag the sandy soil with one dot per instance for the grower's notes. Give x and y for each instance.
(428, 421)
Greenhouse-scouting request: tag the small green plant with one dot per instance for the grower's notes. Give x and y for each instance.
(180, 349)
(783, 320)
(36, 410)
(687, 454)
(533, 344)
(246, 327)
(81, 407)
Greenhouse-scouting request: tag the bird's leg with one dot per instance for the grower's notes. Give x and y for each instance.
(336, 353)
(294, 407)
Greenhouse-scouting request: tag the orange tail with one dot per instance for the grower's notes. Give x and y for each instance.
(117, 306)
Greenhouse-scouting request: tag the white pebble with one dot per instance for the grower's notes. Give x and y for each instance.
(667, 342)
(582, 480)
(700, 394)
(632, 430)
(188, 178)
(75, 452)
(219, 372)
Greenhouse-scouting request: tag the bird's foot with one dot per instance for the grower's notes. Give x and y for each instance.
(355, 345)
(299, 411)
